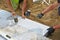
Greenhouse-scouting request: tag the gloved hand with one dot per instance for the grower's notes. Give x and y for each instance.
(40, 15)
(50, 31)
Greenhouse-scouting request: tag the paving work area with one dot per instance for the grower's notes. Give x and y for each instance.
(11, 30)
(50, 19)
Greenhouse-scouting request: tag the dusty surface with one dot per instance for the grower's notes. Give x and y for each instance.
(51, 18)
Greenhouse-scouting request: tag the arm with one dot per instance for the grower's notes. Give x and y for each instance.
(52, 29)
(24, 7)
(10, 7)
(57, 26)
(12, 10)
(51, 7)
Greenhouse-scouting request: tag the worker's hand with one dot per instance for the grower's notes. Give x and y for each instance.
(23, 16)
(13, 14)
(15, 17)
(50, 31)
(40, 15)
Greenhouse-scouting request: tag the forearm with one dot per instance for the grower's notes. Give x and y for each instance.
(57, 26)
(9, 6)
(51, 7)
(24, 6)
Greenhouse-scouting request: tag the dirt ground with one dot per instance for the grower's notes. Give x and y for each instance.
(50, 19)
